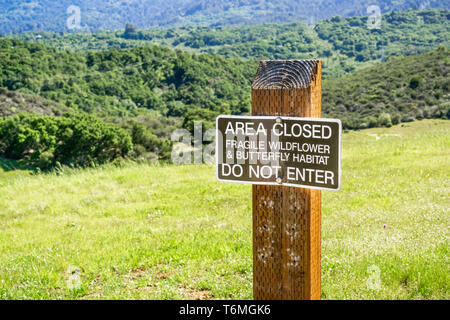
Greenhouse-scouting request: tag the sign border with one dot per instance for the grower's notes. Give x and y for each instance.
(338, 121)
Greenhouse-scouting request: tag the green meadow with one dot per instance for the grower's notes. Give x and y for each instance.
(173, 232)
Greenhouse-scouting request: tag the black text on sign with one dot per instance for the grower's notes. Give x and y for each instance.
(301, 152)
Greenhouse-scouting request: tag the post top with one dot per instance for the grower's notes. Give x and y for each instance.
(285, 74)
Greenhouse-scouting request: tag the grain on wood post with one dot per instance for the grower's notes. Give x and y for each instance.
(287, 220)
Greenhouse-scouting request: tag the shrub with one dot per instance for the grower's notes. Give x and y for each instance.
(443, 111)
(414, 82)
(384, 119)
(373, 122)
(396, 118)
(74, 139)
(141, 136)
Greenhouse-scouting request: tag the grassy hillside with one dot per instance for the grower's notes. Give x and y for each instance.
(343, 44)
(175, 232)
(19, 16)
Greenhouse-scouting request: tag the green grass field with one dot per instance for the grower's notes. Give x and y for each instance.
(168, 232)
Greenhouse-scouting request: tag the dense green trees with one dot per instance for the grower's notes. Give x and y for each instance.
(19, 16)
(344, 44)
(73, 139)
(123, 82)
(146, 144)
(131, 83)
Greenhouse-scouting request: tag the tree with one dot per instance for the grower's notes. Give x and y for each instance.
(384, 119)
(414, 82)
(130, 31)
(74, 139)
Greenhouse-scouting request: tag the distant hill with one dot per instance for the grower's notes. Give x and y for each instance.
(20, 16)
(125, 83)
(402, 89)
(343, 44)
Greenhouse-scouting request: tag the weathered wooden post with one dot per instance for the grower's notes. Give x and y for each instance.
(289, 155)
(287, 220)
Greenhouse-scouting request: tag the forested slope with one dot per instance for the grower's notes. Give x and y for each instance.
(20, 16)
(400, 90)
(119, 82)
(126, 83)
(343, 44)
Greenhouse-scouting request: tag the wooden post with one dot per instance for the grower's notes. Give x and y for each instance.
(287, 220)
